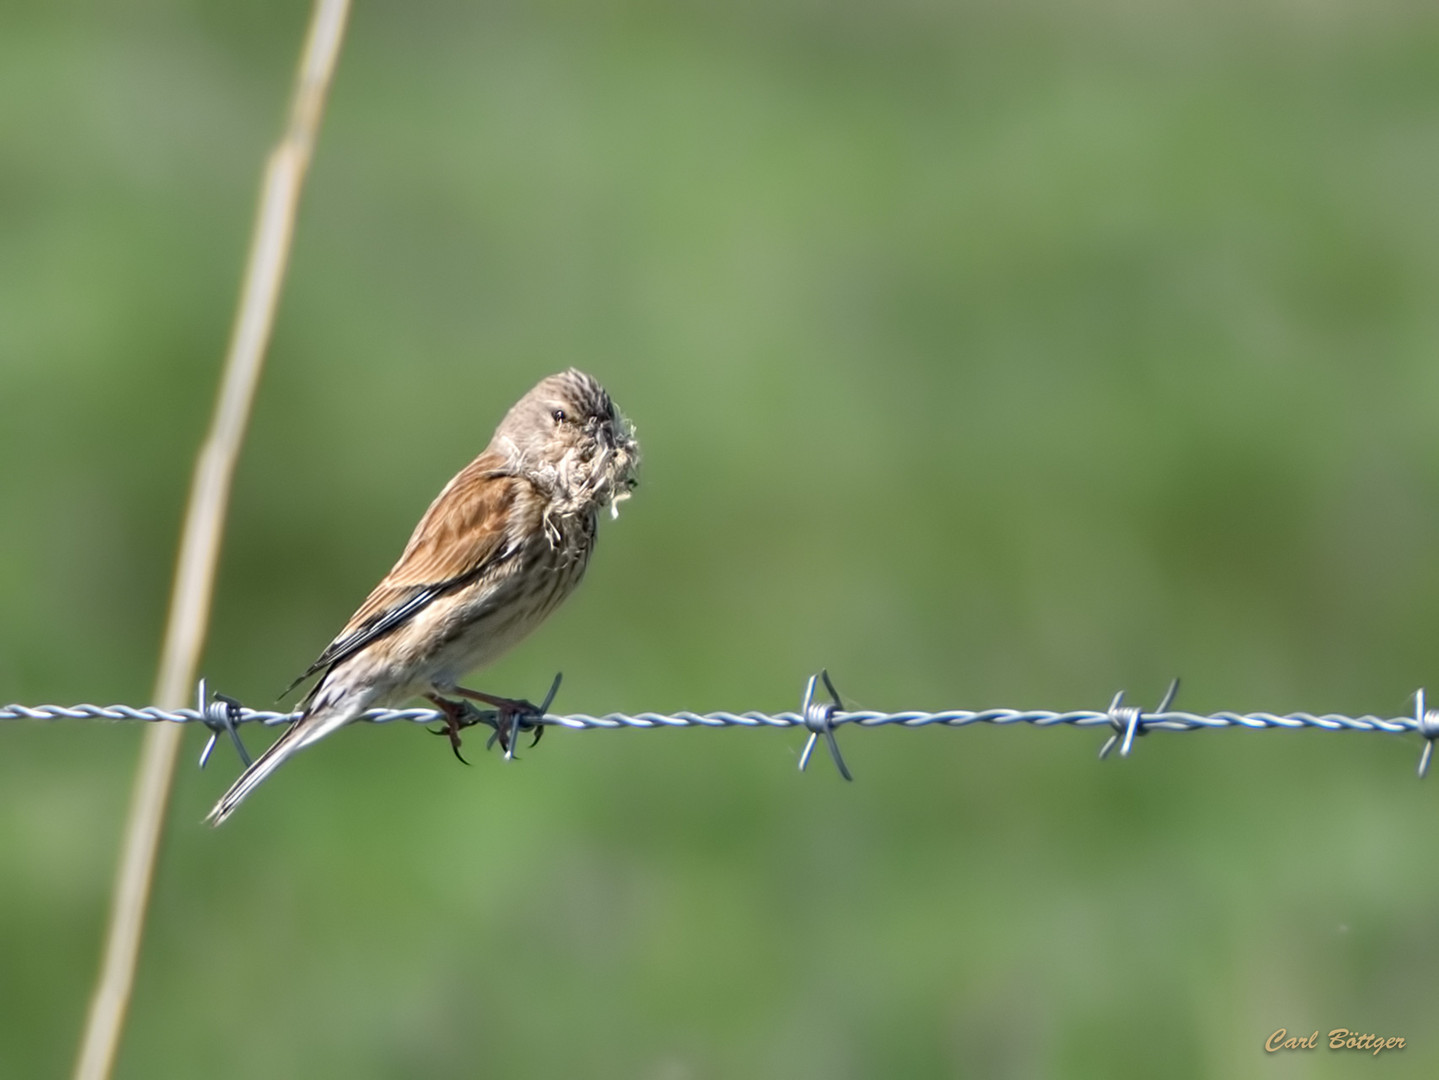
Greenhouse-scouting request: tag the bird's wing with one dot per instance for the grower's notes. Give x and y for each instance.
(463, 534)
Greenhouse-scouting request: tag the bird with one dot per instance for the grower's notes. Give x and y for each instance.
(504, 542)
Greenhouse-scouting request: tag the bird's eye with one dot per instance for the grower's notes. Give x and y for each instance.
(558, 415)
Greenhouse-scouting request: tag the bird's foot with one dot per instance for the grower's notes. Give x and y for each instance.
(458, 716)
(513, 715)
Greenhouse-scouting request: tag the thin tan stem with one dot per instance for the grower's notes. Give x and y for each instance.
(200, 538)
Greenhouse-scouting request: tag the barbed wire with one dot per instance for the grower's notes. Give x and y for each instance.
(821, 719)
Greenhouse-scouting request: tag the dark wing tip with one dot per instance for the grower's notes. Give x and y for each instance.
(291, 688)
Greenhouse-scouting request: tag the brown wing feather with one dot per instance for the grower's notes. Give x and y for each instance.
(461, 535)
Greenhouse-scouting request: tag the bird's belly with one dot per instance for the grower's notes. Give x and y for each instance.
(480, 623)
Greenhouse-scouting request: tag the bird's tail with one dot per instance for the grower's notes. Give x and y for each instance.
(300, 734)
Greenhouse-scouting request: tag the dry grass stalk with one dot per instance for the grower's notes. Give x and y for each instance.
(200, 538)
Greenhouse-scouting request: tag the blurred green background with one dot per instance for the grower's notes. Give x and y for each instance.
(989, 354)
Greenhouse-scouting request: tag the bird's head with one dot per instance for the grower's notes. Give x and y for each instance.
(567, 437)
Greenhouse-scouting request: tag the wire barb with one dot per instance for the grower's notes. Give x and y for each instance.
(221, 715)
(819, 719)
(1426, 722)
(1128, 720)
(522, 720)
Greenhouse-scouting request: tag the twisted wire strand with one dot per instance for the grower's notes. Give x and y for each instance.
(1165, 721)
(223, 716)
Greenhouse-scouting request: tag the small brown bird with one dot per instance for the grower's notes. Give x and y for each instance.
(505, 541)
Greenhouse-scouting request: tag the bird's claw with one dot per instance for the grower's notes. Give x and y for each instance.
(453, 731)
(458, 716)
(508, 717)
(516, 722)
